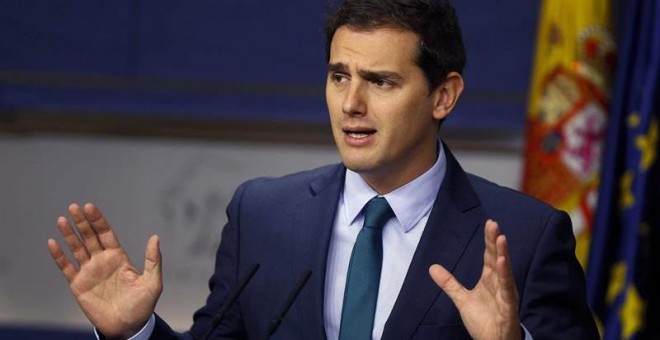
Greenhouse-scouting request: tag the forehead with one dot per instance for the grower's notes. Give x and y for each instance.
(380, 47)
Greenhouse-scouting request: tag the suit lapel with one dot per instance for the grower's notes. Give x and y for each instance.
(452, 224)
(312, 228)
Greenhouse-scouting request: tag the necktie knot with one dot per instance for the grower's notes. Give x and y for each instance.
(376, 213)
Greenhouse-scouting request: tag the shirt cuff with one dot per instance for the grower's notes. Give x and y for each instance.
(143, 334)
(528, 336)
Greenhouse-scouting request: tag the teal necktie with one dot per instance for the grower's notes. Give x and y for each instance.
(357, 315)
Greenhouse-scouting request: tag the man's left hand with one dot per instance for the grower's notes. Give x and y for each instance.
(490, 309)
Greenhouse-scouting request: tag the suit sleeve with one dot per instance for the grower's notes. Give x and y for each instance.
(553, 302)
(223, 280)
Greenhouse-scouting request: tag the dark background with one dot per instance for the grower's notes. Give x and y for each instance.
(212, 68)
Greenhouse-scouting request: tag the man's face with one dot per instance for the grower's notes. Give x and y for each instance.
(381, 109)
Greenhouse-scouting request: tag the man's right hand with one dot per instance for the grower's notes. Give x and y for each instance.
(112, 294)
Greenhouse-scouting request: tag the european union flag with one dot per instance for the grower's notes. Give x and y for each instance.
(618, 272)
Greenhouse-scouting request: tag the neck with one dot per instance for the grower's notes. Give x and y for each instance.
(384, 182)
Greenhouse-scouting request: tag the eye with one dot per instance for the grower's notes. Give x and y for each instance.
(382, 83)
(338, 78)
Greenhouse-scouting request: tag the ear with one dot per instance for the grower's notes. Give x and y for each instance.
(446, 95)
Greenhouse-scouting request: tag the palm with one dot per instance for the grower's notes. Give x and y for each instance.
(490, 309)
(107, 286)
(484, 302)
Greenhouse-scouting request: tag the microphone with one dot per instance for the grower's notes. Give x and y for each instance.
(277, 320)
(232, 298)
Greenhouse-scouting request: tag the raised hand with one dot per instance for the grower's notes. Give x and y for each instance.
(490, 309)
(112, 294)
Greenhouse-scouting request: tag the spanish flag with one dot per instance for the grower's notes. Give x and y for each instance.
(567, 110)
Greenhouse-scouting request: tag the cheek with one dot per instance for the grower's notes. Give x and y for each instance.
(333, 102)
(411, 123)
(407, 111)
(420, 110)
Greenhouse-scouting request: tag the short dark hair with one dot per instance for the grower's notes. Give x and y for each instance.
(441, 47)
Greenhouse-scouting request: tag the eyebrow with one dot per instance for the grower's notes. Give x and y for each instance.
(378, 75)
(337, 67)
(365, 74)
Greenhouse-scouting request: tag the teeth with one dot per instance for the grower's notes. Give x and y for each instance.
(358, 135)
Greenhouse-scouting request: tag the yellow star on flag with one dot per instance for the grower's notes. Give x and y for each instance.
(631, 313)
(617, 281)
(647, 145)
(633, 120)
(627, 198)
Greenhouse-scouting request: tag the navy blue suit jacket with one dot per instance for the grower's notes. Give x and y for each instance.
(285, 224)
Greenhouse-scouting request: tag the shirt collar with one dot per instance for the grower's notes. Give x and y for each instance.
(409, 202)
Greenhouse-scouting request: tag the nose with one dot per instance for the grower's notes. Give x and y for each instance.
(354, 100)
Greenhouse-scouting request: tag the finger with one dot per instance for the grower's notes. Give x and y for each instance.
(73, 242)
(61, 260)
(85, 229)
(152, 257)
(491, 231)
(505, 277)
(448, 283)
(104, 232)
(153, 269)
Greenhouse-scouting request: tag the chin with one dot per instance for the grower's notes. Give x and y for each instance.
(359, 160)
(359, 166)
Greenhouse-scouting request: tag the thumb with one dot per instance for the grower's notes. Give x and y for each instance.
(153, 260)
(448, 283)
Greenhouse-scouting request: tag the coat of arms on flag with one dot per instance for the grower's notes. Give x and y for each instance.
(568, 110)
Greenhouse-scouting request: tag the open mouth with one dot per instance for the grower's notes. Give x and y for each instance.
(359, 133)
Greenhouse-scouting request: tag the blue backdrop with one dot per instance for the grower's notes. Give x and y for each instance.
(247, 60)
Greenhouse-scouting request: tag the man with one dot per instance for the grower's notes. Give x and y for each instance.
(394, 73)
